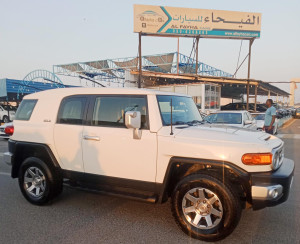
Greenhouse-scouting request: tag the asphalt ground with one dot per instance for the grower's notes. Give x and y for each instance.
(83, 217)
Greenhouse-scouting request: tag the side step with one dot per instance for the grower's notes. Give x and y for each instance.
(124, 193)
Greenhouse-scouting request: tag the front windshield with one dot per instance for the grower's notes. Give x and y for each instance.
(225, 118)
(184, 110)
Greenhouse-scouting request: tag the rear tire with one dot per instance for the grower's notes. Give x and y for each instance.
(38, 183)
(205, 208)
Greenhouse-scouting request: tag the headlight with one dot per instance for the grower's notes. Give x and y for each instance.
(257, 158)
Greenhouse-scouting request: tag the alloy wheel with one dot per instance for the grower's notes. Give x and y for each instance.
(34, 182)
(202, 208)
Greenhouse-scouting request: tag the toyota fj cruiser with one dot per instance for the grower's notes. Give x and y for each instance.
(146, 145)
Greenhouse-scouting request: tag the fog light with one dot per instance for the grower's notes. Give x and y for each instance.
(273, 193)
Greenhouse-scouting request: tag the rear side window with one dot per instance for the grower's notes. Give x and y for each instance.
(71, 111)
(110, 110)
(25, 109)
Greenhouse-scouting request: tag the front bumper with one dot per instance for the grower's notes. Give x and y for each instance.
(272, 188)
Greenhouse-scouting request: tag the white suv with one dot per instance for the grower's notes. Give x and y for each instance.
(146, 145)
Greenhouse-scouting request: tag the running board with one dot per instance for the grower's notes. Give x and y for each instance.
(129, 195)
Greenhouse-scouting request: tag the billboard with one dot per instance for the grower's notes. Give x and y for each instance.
(186, 21)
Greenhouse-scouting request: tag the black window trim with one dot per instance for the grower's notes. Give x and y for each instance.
(89, 118)
(84, 113)
(32, 100)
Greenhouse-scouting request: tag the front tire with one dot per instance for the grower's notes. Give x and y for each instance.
(38, 183)
(205, 208)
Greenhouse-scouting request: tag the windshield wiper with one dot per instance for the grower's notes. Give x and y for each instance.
(180, 123)
(195, 122)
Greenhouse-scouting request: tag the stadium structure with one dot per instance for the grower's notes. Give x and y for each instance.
(169, 69)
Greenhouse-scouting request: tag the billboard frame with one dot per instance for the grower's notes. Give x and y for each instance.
(209, 23)
(251, 40)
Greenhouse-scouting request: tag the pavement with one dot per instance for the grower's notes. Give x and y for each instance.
(83, 217)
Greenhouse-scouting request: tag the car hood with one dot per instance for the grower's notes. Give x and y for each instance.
(223, 134)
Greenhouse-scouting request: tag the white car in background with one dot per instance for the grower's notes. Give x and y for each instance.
(4, 114)
(260, 122)
(2, 130)
(235, 118)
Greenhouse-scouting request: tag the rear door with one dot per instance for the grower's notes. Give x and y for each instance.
(68, 132)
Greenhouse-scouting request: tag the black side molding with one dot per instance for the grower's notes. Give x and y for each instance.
(244, 176)
(131, 189)
(20, 150)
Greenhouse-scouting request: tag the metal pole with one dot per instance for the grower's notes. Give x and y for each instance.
(178, 56)
(140, 61)
(255, 99)
(248, 77)
(197, 45)
(292, 92)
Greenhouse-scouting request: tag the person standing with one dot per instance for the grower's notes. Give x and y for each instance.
(270, 117)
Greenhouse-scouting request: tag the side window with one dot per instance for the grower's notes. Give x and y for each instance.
(110, 110)
(71, 110)
(25, 109)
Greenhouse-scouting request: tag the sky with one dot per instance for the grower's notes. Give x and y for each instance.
(37, 34)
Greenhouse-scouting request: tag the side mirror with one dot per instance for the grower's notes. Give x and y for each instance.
(248, 122)
(133, 121)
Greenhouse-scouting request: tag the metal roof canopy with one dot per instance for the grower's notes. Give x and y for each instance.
(173, 62)
(231, 87)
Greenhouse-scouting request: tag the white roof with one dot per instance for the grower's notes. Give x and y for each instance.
(62, 92)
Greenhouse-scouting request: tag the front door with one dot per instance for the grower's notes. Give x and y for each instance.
(109, 148)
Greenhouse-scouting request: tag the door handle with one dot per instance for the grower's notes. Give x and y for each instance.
(91, 138)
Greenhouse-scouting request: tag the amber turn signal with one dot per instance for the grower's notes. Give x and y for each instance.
(257, 158)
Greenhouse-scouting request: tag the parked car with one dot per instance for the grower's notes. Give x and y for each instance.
(243, 106)
(297, 113)
(232, 118)
(4, 130)
(146, 145)
(260, 121)
(292, 110)
(5, 114)
(282, 112)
